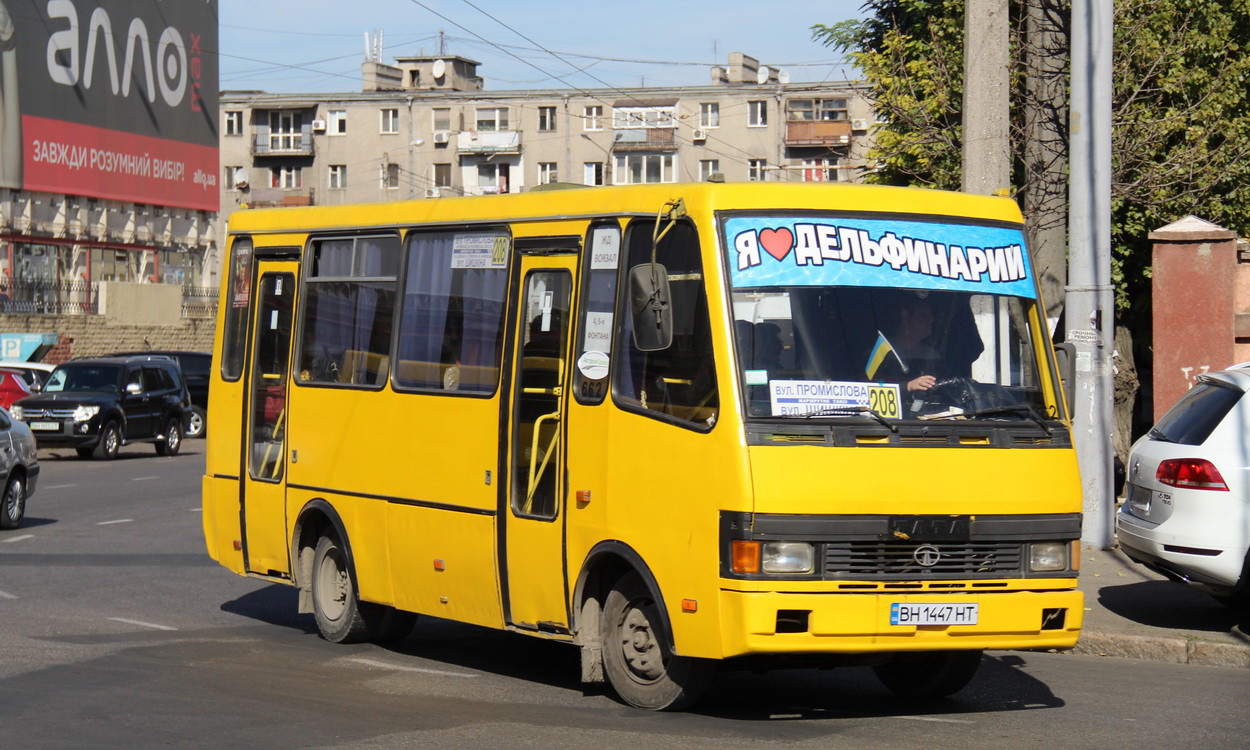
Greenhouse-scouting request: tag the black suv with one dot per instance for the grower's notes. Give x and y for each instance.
(98, 405)
(195, 369)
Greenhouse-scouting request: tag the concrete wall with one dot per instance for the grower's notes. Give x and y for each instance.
(127, 303)
(93, 335)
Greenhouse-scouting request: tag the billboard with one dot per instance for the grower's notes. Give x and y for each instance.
(110, 99)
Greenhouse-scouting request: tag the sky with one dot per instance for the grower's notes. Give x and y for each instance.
(318, 45)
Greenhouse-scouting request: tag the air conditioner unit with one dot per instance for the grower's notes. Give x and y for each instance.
(859, 123)
(441, 136)
(700, 134)
(433, 192)
(319, 126)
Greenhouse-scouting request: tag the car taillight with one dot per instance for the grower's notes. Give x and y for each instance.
(1191, 473)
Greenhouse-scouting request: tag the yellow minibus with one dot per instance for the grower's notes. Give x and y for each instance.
(681, 427)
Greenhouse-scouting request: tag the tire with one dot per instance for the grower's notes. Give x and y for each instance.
(335, 607)
(13, 504)
(638, 663)
(198, 426)
(932, 674)
(171, 441)
(110, 442)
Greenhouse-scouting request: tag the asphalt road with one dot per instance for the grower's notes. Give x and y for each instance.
(117, 630)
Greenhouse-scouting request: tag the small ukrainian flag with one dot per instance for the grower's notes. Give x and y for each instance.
(877, 356)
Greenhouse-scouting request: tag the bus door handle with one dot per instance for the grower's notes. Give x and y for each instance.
(536, 472)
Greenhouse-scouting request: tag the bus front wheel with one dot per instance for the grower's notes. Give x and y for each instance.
(642, 669)
(933, 674)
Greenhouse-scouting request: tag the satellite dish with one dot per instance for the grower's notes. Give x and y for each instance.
(761, 75)
(240, 178)
(440, 68)
(783, 76)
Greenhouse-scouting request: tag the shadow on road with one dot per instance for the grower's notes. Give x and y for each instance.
(29, 522)
(274, 604)
(1164, 604)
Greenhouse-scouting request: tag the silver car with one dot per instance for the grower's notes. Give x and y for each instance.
(19, 467)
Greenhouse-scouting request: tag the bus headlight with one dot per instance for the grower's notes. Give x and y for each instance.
(787, 557)
(1048, 556)
(83, 413)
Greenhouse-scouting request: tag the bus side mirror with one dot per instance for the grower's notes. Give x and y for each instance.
(650, 305)
(1065, 363)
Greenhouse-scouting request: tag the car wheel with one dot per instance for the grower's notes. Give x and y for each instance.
(933, 674)
(638, 663)
(110, 442)
(197, 426)
(171, 439)
(13, 505)
(335, 608)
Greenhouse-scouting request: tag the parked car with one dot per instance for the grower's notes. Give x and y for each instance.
(19, 467)
(195, 369)
(98, 405)
(36, 372)
(13, 386)
(1187, 511)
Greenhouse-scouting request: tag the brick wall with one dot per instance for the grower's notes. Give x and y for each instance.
(92, 335)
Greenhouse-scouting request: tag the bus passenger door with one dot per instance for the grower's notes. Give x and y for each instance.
(265, 532)
(537, 592)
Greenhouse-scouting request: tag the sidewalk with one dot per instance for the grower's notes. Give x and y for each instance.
(1131, 612)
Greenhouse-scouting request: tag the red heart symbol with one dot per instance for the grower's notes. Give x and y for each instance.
(777, 242)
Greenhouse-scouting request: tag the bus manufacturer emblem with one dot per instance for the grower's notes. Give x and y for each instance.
(927, 555)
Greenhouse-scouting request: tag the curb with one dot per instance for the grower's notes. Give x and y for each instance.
(1166, 649)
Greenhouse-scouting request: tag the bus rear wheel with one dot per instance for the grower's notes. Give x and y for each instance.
(642, 669)
(930, 674)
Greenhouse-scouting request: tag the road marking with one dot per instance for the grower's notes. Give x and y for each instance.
(143, 479)
(935, 718)
(196, 510)
(385, 665)
(120, 520)
(142, 623)
(19, 538)
(7, 595)
(60, 486)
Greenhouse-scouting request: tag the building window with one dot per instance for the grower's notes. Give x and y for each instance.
(234, 123)
(820, 170)
(230, 177)
(284, 131)
(441, 118)
(709, 115)
(636, 169)
(756, 169)
(757, 114)
(338, 176)
(490, 119)
(593, 171)
(546, 119)
(547, 172)
(807, 110)
(442, 175)
(338, 122)
(708, 167)
(644, 117)
(287, 178)
(593, 117)
(493, 177)
(390, 176)
(388, 121)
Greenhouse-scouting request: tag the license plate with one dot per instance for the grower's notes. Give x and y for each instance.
(1139, 498)
(919, 613)
(930, 528)
(45, 425)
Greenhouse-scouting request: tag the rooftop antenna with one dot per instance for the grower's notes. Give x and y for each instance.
(374, 46)
(442, 50)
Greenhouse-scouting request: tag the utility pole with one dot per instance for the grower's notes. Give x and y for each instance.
(986, 107)
(1090, 301)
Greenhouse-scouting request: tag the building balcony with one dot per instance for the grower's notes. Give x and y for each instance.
(818, 133)
(283, 144)
(280, 197)
(489, 142)
(644, 139)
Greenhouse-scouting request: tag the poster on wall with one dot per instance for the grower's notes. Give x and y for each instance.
(113, 99)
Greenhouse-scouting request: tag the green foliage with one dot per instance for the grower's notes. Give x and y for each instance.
(1181, 110)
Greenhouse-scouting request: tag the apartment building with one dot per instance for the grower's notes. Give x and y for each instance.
(425, 127)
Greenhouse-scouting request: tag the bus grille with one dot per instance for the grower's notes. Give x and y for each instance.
(890, 560)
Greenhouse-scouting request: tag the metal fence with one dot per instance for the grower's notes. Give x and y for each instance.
(83, 298)
(199, 301)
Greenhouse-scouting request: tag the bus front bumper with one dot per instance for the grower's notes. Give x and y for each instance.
(860, 623)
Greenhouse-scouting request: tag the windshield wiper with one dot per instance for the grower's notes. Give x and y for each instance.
(1024, 409)
(1154, 434)
(834, 411)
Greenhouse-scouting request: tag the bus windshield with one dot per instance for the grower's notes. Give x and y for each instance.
(839, 317)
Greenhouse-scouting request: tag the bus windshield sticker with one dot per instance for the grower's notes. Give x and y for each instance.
(479, 251)
(593, 365)
(605, 249)
(598, 331)
(842, 251)
(798, 397)
(757, 377)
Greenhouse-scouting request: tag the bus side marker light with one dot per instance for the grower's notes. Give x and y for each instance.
(689, 605)
(746, 556)
(1076, 555)
(583, 497)
(238, 546)
(439, 565)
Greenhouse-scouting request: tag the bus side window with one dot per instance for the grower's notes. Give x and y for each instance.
(238, 292)
(679, 381)
(594, 346)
